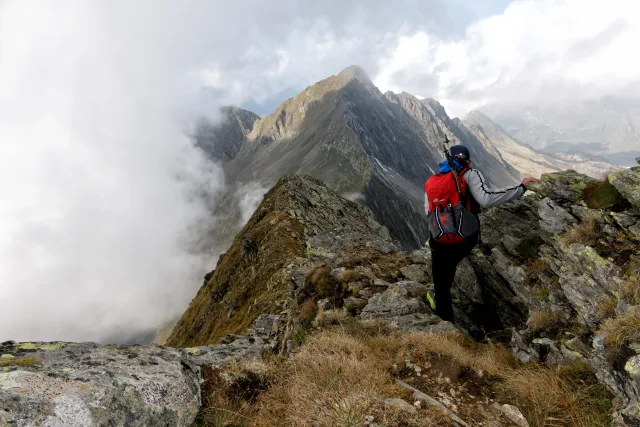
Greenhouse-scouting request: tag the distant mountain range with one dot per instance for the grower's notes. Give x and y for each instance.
(527, 159)
(376, 147)
(607, 129)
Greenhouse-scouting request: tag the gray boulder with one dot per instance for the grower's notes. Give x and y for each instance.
(398, 300)
(402, 306)
(415, 272)
(65, 384)
(563, 187)
(627, 182)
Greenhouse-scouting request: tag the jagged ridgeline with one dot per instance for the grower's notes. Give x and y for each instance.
(357, 140)
(378, 147)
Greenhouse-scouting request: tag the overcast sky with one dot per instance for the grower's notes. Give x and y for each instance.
(97, 182)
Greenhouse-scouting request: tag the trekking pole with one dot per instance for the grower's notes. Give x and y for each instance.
(452, 165)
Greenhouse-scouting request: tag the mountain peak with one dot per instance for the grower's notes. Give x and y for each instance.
(475, 115)
(355, 72)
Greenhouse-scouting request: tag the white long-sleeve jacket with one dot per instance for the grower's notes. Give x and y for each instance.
(486, 196)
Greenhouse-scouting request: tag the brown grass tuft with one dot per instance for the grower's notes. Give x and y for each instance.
(350, 276)
(570, 396)
(631, 289)
(622, 330)
(308, 311)
(606, 309)
(333, 380)
(320, 283)
(585, 233)
(540, 320)
(537, 265)
(382, 265)
(328, 318)
(631, 283)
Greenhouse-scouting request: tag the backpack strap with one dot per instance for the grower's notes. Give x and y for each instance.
(465, 194)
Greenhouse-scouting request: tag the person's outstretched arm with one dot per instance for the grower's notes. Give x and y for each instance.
(488, 197)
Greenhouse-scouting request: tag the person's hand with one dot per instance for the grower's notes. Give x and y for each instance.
(529, 180)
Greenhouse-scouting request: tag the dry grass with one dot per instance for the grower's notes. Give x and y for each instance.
(631, 289)
(540, 320)
(328, 318)
(319, 283)
(341, 374)
(606, 309)
(382, 265)
(565, 396)
(537, 265)
(308, 311)
(318, 274)
(350, 276)
(622, 330)
(22, 361)
(489, 358)
(585, 233)
(334, 380)
(631, 283)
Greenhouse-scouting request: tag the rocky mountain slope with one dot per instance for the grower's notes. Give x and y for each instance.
(558, 279)
(553, 299)
(525, 158)
(379, 148)
(223, 140)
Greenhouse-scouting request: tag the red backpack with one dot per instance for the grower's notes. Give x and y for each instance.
(450, 220)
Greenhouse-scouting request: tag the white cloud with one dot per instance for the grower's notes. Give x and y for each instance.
(535, 51)
(249, 197)
(97, 179)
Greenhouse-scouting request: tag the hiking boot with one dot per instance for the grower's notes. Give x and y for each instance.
(431, 297)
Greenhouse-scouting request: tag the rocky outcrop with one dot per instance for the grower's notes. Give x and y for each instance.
(298, 221)
(84, 384)
(558, 268)
(403, 306)
(627, 182)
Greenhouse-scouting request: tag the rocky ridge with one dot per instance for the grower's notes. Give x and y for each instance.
(374, 147)
(556, 281)
(565, 258)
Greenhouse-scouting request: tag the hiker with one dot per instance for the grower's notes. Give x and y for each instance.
(454, 226)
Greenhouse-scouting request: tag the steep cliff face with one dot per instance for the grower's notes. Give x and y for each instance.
(378, 147)
(222, 140)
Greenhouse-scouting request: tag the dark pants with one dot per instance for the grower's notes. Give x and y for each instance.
(444, 261)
